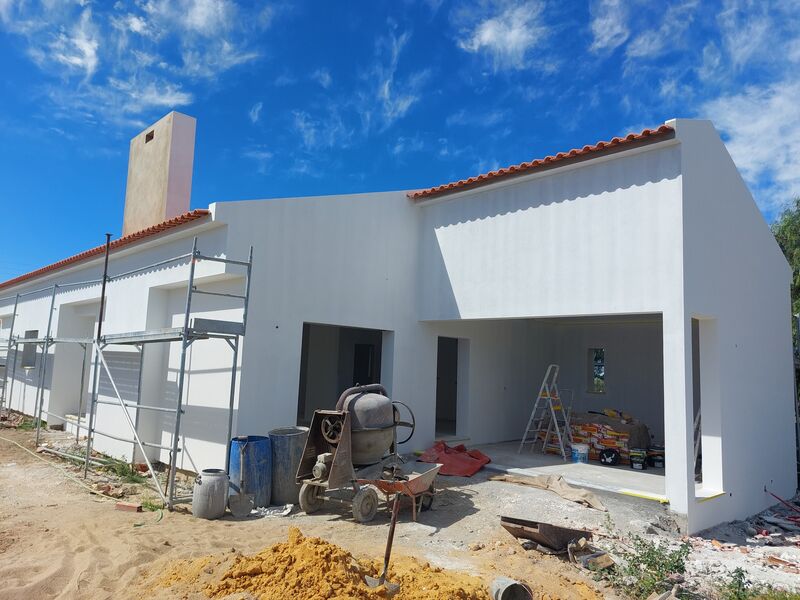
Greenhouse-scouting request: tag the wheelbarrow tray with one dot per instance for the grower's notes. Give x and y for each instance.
(552, 536)
(417, 479)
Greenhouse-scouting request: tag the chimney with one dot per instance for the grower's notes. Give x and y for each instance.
(159, 172)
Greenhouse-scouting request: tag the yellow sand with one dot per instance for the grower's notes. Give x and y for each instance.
(308, 568)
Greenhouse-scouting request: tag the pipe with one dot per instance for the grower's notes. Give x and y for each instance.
(360, 389)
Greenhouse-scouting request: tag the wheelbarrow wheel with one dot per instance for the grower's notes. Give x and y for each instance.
(365, 504)
(311, 500)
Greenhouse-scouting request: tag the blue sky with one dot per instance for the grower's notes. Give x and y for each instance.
(301, 98)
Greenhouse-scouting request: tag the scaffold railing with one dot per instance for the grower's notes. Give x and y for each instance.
(192, 329)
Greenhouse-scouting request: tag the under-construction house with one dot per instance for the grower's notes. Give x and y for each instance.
(641, 267)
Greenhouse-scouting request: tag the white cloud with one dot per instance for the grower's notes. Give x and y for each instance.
(113, 62)
(260, 155)
(712, 57)
(762, 130)
(651, 43)
(477, 118)
(746, 29)
(609, 24)
(404, 145)
(327, 132)
(284, 79)
(255, 112)
(507, 34)
(395, 95)
(322, 77)
(76, 49)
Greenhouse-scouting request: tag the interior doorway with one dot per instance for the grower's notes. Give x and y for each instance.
(333, 359)
(446, 387)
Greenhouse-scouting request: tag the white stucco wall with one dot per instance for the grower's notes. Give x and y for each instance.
(634, 366)
(643, 232)
(736, 281)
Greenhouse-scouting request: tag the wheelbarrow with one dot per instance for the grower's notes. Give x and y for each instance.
(415, 482)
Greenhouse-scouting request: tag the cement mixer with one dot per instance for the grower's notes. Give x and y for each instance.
(358, 441)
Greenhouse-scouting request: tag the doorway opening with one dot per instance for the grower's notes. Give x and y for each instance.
(332, 359)
(446, 387)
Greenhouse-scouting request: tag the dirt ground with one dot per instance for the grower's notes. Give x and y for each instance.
(59, 541)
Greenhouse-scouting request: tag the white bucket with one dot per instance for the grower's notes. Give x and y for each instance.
(580, 453)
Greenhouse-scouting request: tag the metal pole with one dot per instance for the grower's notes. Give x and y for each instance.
(140, 348)
(235, 346)
(92, 407)
(96, 351)
(80, 395)
(8, 353)
(247, 289)
(43, 371)
(13, 376)
(181, 379)
(136, 439)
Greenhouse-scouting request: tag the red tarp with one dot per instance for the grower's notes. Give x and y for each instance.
(455, 461)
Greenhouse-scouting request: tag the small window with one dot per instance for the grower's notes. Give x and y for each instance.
(29, 349)
(597, 371)
(150, 135)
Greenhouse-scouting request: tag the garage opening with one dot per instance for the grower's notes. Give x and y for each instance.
(334, 358)
(611, 383)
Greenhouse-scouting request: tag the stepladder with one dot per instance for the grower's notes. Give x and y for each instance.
(548, 423)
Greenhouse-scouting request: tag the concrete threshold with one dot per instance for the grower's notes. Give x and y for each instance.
(532, 471)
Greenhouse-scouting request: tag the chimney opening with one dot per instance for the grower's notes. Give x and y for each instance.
(149, 136)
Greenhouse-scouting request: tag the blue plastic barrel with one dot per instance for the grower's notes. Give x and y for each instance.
(287, 451)
(251, 467)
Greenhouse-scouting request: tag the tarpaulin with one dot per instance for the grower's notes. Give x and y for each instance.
(456, 460)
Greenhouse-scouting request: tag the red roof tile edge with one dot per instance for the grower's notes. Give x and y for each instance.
(521, 168)
(116, 244)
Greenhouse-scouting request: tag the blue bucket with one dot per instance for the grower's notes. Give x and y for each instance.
(580, 453)
(251, 467)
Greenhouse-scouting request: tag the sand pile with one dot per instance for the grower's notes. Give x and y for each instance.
(308, 568)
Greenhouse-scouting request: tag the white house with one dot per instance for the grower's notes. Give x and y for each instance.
(648, 248)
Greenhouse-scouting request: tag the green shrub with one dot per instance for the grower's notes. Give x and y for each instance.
(125, 472)
(646, 567)
(739, 588)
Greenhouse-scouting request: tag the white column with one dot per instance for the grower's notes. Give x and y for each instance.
(678, 424)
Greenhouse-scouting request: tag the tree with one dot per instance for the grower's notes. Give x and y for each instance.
(787, 233)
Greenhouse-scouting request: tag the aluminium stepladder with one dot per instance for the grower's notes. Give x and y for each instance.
(548, 416)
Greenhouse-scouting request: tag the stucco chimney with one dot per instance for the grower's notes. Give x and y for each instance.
(159, 172)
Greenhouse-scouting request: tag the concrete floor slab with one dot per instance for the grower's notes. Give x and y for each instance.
(621, 479)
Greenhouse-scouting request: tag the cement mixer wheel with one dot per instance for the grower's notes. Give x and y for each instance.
(311, 498)
(365, 504)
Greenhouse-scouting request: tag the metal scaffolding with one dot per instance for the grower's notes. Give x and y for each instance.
(192, 330)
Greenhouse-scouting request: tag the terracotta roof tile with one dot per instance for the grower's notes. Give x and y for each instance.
(647, 135)
(125, 240)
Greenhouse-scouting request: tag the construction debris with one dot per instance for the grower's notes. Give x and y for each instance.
(129, 506)
(555, 483)
(545, 536)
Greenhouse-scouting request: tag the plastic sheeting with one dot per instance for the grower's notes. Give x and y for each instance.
(456, 460)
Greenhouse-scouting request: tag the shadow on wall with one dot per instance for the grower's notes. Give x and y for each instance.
(26, 381)
(583, 182)
(437, 298)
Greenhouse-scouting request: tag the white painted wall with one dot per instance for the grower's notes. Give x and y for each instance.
(597, 238)
(737, 281)
(634, 366)
(619, 235)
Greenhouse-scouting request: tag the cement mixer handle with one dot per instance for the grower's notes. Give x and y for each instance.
(360, 389)
(412, 425)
